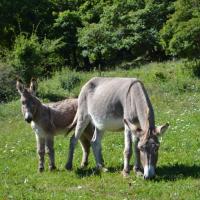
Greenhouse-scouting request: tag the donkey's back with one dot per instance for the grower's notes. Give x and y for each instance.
(61, 114)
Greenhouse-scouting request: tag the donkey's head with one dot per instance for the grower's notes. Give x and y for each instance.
(28, 100)
(148, 146)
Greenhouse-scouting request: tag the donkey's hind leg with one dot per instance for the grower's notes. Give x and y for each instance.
(97, 149)
(82, 123)
(85, 144)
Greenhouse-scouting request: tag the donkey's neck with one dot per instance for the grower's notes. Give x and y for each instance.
(144, 109)
(42, 112)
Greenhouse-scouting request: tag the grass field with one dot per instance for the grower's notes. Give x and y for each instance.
(175, 95)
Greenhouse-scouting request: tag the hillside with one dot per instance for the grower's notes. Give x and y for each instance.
(174, 92)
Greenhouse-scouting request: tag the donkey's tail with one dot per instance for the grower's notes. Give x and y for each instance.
(72, 125)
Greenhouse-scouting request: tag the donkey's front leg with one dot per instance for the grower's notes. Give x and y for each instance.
(137, 164)
(41, 152)
(127, 151)
(49, 142)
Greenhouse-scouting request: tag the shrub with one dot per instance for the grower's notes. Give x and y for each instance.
(193, 66)
(180, 35)
(7, 83)
(160, 76)
(70, 82)
(30, 57)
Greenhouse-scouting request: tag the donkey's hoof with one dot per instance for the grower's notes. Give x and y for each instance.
(83, 165)
(40, 169)
(52, 168)
(100, 168)
(125, 174)
(68, 166)
(104, 169)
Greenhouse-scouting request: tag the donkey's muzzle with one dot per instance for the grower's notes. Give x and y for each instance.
(28, 117)
(149, 172)
(148, 177)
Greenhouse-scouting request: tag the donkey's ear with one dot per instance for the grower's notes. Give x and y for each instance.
(138, 132)
(159, 130)
(33, 86)
(20, 86)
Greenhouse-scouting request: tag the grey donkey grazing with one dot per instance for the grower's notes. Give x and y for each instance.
(48, 120)
(115, 104)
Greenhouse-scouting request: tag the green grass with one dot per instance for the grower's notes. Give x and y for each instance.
(175, 96)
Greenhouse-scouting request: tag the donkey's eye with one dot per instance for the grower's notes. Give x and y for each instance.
(23, 102)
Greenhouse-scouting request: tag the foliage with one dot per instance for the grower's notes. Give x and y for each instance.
(93, 32)
(180, 35)
(24, 16)
(90, 11)
(65, 26)
(193, 66)
(105, 33)
(96, 42)
(69, 82)
(7, 83)
(132, 33)
(31, 57)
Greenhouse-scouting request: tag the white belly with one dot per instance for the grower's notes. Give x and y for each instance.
(109, 124)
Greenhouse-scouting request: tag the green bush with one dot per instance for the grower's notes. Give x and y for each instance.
(7, 83)
(180, 35)
(31, 57)
(193, 66)
(70, 82)
(160, 76)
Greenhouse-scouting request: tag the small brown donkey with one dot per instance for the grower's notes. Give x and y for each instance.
(48, 120)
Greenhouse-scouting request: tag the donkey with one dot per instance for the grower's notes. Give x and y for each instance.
(115, 104)
(48, 120)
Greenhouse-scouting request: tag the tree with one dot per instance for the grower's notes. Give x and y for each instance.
(65, 27)
(129, 29)
(180, 36)
(31, 57)
(24, 16)
(96, 43)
